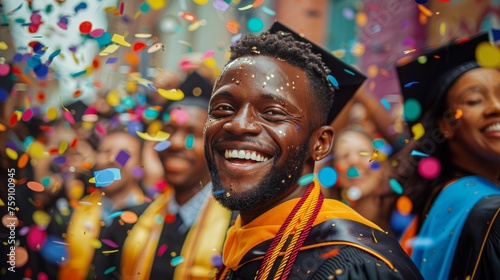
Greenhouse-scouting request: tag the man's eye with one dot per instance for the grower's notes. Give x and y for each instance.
(222, 108)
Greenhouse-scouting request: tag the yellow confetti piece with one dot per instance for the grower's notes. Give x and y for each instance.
(442, 28)
(3, 46)
(1, 202)
(52, 113)
(201, 2)
(374, 156)
(488, 55)
(109, 50)
(41, 218)
(63, 146)
(171, 94)
(109, 251)
(92, 180)
(37, 150)
(154, 127)
(361, 19)
(247, 7)
(129, 217)
(120, 40)
(195, 25)
(156, 4)
(160, 136)
(210, 62)
(113, 97)
(143, 35)
(96, 243)
(184, 43)
(364, 153)
(372, 71)
(11, 153)
(418, 131)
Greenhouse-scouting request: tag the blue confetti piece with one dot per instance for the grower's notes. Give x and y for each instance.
(163, 145)
(81, 6)
(410, 84)
(189, 141)
(115, 214)
(219, 192)
(349, 72)
(176, 261)
(418, 154)
(111, 60)
(109, 270)
(3, 94)
(306, 179)
(332, 80)
(495, 34)
(327, 176)
(396, 186)
(54, 54)
(385, 103)
(268, 11)
(77, 74)
(106, 176)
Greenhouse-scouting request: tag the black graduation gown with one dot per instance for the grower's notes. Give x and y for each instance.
(478, 248)
(349, 263)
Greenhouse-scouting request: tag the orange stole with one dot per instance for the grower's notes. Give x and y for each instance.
(83, 231)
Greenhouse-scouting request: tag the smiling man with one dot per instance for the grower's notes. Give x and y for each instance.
(267, 125)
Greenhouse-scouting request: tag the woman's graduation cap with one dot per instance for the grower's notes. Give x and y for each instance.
(425, 80)
(344, 77)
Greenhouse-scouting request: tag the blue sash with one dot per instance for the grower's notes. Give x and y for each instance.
(434, 247)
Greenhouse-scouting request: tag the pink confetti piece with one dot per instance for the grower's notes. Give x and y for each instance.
(208, 54)
(162, 250)
(179, 116)
(110, 243)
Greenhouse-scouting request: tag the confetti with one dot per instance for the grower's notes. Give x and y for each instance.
(268, 11)
(11, 153)
(122, 157)
(418, 131)
(404, 205)
(306, 179)
(374, 156)
(110, 243)
(327, 176)
(410, 84)
(106, 176)
(354, 193)
(138, 46)
(333, 81)
(352, 172)
(418, 154)
(458, 114)
(109, 270)
(160, 136)
(244, 8)
(97, 33)
(330, 254)
(233, 26)
(163, 145)
(220, 5)
(156, 4)
(255, 24)
(161, 250)
(176, 261)
(412, 109)
(129, 217)
(155, 47)
(41, 218)
(488, 55)
(23, 160)
(189, 141)
(190, 17)
(396, 186)
(219, 192)
(85, 27)
(179, 116)
(111, 60)
(385, 103)
(429, 167)
(120, 40)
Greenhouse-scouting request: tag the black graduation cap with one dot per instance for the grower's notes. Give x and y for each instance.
(348, 78)
(77, 109)
(425, 80)
(197, 92)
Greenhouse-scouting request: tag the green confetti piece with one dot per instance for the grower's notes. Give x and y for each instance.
(190, 141)
(396, 186)
(306, 179)
(352, 172)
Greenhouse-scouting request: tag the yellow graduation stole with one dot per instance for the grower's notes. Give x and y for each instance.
(204, 240)
(82, 234)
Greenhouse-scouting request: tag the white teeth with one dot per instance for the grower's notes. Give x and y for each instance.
(493, 128)
(244, 154)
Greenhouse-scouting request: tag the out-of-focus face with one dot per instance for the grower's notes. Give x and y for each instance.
(109, 149)
(184, 162)
(258, 131)
(477, 94)
(353, 151)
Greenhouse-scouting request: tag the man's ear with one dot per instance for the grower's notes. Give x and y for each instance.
(446, 128)
(322, 142)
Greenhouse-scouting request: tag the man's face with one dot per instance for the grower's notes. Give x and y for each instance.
(257, 132)
(185, 167)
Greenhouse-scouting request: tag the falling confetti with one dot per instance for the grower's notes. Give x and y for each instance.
(306, 179)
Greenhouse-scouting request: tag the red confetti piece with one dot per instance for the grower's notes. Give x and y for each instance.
(13, 120)
(85, 27)
(77, 93)
(169, 218)
(73, 143)
(33, 28)
(40, 97)
(35, 186)
(122, 7)
(138, 46)
(330, 254)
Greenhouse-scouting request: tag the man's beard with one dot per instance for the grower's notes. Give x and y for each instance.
(268, 190)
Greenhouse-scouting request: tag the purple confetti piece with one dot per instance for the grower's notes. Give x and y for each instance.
(122, 157)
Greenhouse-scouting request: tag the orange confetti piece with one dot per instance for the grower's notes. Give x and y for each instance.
(330, 254)
(404, 205)
(188, 16)
(35, 186)
(458, 114)
(23, 160)
(257, 3)
(129, 217)
(86, 165)
(425, 10)
(233, 26)
(2, 127)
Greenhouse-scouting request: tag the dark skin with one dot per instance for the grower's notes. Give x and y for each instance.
(185, 167)
(263, 105)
